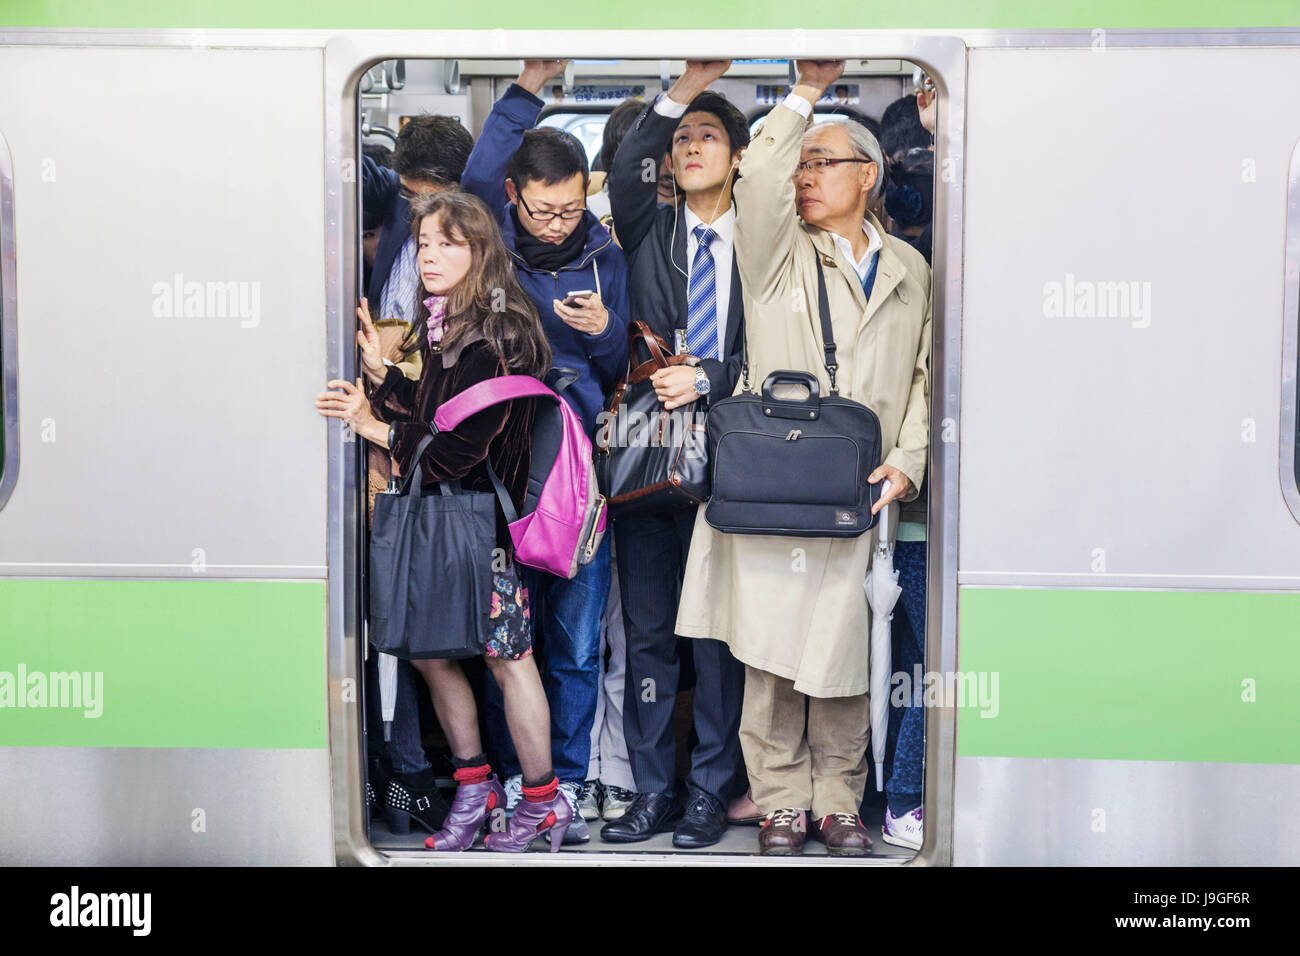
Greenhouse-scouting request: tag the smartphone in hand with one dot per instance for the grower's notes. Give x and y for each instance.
(571, 299)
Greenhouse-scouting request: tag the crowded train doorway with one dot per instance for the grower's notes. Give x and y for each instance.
(895, 102)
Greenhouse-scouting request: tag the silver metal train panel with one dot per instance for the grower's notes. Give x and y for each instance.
(97, 806)
(170, 295)
(1041, 812)
(1124, 319)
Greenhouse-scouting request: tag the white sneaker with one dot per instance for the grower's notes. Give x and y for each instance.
(904, 830)
(514, 787)
(578, 831)
(589, 800)
(617, 800)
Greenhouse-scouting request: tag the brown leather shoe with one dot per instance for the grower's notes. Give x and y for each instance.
(843, 834)
(783, 833)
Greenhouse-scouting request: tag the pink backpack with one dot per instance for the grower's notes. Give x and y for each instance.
(563, 517)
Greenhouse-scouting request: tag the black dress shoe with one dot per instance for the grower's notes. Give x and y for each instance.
(704, 823)
(648, 814)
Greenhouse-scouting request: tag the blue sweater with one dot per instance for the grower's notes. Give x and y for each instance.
(599, 360)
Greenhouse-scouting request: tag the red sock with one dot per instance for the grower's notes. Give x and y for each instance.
(467, 775)
(543, 793)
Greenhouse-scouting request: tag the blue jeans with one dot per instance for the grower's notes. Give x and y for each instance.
(903, 785)
(566, 616)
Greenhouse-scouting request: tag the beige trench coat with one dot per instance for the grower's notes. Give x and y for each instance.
(795, 607)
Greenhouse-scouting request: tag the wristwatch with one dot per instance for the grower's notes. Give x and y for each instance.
(701, 381)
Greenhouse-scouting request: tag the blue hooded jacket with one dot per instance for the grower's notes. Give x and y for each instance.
(599, 360)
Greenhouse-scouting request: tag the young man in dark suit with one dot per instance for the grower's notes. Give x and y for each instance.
(684, 285)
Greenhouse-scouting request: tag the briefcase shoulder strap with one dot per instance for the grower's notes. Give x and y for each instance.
(828, 336)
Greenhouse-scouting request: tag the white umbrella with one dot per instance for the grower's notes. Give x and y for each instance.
(387, 689)
(882, 594)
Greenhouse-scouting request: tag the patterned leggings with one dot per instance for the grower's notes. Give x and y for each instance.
(903, 786)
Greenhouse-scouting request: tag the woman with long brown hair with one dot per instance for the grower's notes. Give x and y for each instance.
(476, 323)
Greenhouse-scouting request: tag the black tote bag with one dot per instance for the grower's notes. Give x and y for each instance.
(794, 467)
(649, 460)
(431, 568)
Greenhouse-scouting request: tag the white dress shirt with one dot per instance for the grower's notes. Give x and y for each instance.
(861, 266)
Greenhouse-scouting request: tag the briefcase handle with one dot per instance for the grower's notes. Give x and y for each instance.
(803, 409)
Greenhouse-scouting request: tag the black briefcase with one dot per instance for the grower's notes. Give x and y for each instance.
(794, 466)
(649, 460)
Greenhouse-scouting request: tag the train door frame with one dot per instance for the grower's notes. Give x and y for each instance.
(349, 56)
(9, 444)
(1289, 452)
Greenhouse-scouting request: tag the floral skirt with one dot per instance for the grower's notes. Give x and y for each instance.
(509, 633)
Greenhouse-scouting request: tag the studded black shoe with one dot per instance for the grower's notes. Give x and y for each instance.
(414, 797)
(378, 773)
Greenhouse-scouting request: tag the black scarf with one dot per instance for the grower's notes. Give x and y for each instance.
(549, 256)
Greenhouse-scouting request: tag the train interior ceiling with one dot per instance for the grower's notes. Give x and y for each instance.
(579, 101)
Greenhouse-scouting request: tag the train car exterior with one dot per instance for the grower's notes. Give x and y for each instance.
(1114, 525)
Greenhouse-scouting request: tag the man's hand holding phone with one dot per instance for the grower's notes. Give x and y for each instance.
(582, 311)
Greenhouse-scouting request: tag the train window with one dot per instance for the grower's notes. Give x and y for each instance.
(8, 332)
(589, 128)
(579, 102)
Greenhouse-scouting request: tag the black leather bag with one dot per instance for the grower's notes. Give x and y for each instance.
(795, 467)
(431, 568)
(648, 459)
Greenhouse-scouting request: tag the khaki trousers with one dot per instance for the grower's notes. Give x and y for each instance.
(807, 753)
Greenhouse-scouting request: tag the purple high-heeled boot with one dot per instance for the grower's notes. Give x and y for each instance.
(532, 820)
(474, 805)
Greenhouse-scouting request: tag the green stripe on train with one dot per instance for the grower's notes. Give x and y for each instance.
(661, 14)
(1132, 675)
(179, 664)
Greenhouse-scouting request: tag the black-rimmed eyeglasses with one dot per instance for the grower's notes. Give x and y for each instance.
(568, 215)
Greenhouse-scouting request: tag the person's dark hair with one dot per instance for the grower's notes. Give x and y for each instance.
(549, 156)
(489, 298)
(620, 120)
(872, 125)
(381, 154)
(901, 127)
(909, 195)
(371, 217)
(433, 148)
(732, 119)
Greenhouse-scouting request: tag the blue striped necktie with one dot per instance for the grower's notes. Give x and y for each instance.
(869, 280)
(701, 299)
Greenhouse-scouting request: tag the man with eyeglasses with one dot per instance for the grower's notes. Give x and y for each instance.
(535, 181)
(793, 610)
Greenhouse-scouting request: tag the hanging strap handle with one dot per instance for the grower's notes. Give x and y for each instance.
(828, 337)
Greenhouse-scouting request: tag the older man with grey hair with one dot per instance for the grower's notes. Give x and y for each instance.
(793, 610)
